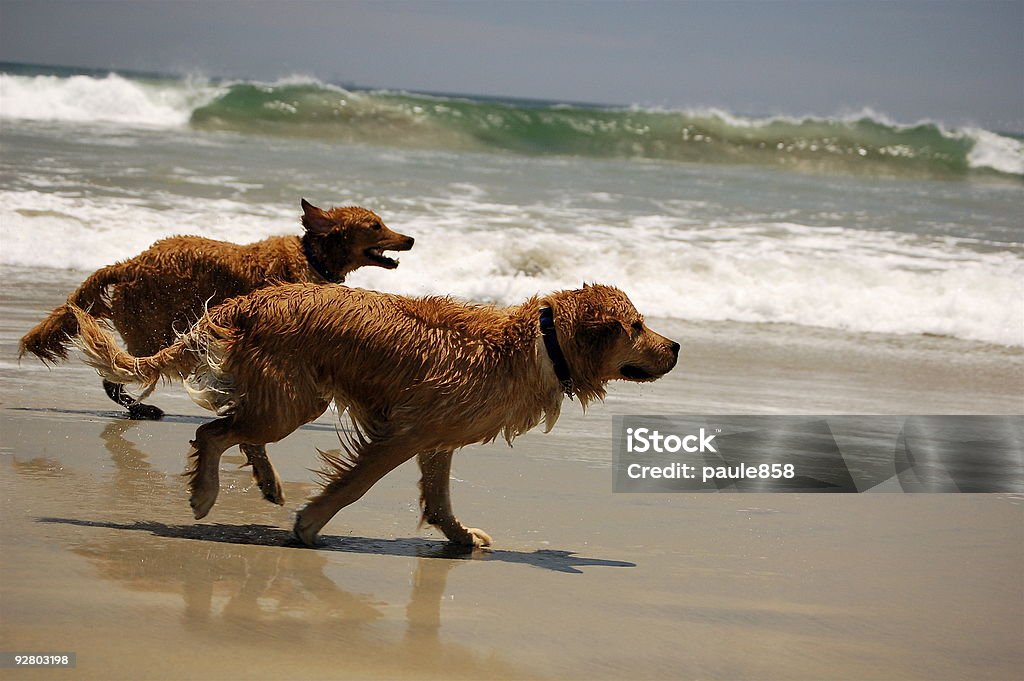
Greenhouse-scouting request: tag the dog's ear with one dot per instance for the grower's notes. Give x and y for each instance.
(600, 334)
(314, 219)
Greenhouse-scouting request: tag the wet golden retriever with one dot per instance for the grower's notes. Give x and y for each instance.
(419, 377)
(160, 293)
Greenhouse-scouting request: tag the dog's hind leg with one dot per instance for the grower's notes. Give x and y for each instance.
(263, 472)
(436, 503)
(349, 481)
(204, 475)
(136, 410)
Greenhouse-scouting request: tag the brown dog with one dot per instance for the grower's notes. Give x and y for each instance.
(160, 293)
(419, 377)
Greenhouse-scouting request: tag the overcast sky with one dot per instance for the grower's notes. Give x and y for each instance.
(958, 61)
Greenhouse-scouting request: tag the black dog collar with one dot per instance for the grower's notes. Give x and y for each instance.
(558, 361)
(318, 265)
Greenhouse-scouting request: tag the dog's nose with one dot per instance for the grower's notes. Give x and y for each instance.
(675, 348)
(411, 241)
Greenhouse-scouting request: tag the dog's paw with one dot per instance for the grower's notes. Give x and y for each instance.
(145, 412)
(305, 530)
(202, 500)
(271, 490)
(473, 537)
(480, 538)
(269, 484)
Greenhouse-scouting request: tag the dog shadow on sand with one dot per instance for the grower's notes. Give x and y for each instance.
(123, 417)
(413, 547)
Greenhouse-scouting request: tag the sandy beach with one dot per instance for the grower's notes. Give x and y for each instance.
(100, 555)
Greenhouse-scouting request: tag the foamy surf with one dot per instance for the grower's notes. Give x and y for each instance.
(997, 152)
(763, 272)
(111, 99)
(841, 279)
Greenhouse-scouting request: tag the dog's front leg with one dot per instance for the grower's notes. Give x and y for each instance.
(349, 480)
(436, 503)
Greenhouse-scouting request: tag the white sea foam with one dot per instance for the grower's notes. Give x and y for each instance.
(87, 233)
(994, 151)
(112, 99)
(844, 279)
(755, 272)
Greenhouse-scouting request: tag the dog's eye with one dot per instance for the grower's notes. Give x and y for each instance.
(377, 226)
(638, 326)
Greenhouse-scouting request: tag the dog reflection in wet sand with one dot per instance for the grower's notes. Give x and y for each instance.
(238, 594)
(419, 377)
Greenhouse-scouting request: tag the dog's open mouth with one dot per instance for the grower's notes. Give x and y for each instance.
(635, 373)
(377, 257)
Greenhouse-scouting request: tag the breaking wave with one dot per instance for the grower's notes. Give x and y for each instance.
(865, 142)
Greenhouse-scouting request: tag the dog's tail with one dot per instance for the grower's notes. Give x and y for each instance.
(196, 358)
(51, 338)
(103, 354)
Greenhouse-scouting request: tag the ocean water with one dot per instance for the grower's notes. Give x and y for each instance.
(850, 222)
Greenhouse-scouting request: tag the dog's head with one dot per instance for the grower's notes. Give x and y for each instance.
(343, 239)
(604, 338)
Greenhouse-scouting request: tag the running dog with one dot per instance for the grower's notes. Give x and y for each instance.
(160, 293)
(419, 377)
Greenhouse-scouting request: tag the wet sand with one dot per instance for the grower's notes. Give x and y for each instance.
(100, 555)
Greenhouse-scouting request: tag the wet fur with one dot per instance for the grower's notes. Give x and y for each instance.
(160, 293)
(419, 378)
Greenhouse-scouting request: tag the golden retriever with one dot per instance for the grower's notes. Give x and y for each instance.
(163, 291)
(419, 377)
